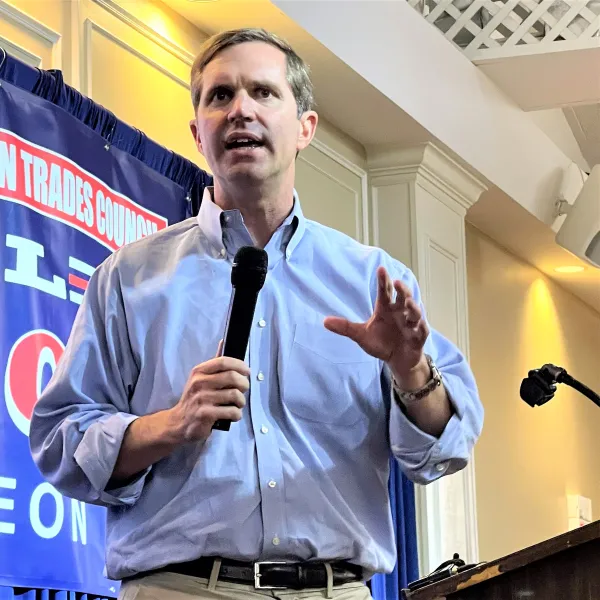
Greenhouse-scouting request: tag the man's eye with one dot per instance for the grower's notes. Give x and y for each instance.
(265, 93)
(221, 94)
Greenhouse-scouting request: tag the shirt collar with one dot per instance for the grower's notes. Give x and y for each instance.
(216, 223)
(296, 217)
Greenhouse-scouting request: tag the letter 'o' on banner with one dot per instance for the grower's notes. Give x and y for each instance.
(31, 363)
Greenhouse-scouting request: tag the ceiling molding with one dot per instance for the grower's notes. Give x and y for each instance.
(26, 22)
(432, 165)
(20, 53)
(132, 21)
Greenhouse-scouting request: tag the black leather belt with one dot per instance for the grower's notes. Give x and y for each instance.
(270, 574)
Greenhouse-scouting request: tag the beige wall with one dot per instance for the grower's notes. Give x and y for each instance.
(528, 460)
(332, 188)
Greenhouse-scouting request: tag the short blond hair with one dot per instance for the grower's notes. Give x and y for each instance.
(298, 73)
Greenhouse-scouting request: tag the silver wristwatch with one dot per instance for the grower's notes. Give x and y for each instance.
(416, 395)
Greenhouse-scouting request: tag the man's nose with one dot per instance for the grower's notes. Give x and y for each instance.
(242, 107)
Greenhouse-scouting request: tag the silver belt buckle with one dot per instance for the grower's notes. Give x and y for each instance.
(258, 575)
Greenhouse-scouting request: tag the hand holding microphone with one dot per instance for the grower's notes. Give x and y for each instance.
(214, 393)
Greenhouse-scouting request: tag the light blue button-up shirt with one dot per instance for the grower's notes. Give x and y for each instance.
(304, 474)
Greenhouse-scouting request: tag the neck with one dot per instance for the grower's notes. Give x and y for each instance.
(264, 208)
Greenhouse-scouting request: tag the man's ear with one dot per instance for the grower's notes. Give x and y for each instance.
(194, 130)
(308, 127)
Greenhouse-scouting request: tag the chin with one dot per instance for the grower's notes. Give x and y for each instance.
(246, 174)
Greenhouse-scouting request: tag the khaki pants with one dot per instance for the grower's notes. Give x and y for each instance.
(170, 586)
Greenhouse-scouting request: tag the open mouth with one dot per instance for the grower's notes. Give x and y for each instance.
(243, 143)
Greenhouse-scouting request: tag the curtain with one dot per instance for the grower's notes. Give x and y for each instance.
(402, 499)
(50, 86)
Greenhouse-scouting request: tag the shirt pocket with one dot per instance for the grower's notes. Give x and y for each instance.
(329, 378)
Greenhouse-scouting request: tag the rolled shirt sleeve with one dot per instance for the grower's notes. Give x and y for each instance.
(423, 457)
(78, 424)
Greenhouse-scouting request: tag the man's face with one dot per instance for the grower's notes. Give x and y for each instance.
(247, 124)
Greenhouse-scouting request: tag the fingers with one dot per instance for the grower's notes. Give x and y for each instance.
(422, 332)
(227, 380)
(226, 413)
(222, 363)
(354, 331)
(412, 313)
(385, 288)
(214, 391)
(210, 413)
(220, 348)
(225, 398)
(406, 302)
(207, 406)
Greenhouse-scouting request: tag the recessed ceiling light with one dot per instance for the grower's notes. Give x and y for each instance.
(569, 269)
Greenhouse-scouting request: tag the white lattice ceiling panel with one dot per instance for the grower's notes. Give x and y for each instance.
(477, 25)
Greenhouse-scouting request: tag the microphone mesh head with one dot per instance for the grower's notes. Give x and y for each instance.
(250, 267)
(531, 392)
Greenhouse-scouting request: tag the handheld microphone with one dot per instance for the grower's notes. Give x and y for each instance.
(248, 275)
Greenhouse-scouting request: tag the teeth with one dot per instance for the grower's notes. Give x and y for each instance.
(243, 141)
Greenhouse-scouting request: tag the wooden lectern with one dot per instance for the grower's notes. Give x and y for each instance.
(566, 567)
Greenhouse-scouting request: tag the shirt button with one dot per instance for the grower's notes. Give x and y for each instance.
(276, 541)
(441, 467)
(262, 323)
(260, 376)
(223, 252)
(264, 429)
(272, 483)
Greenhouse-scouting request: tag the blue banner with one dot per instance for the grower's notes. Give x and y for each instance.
(67, 200)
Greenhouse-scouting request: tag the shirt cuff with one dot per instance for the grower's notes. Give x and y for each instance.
(423, 457)
(97, 455)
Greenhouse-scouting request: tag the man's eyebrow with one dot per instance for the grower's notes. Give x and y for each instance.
(254, 83)
(268, 83)
(216, 85)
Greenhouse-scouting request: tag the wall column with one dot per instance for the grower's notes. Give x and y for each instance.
(420, 197)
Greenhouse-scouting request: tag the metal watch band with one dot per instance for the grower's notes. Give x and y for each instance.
(416, 395)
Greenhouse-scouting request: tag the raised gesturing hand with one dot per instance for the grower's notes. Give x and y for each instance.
(396, 331)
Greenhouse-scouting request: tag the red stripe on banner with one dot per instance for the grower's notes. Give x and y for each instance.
(58, 188)
(77, 282)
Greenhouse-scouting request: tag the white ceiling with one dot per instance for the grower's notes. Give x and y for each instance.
(349, 102)
(550, 77)
(556, 77)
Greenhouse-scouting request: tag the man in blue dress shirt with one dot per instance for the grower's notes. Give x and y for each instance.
(342, 370)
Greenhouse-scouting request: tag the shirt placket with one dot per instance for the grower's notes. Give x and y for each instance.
(270, 467)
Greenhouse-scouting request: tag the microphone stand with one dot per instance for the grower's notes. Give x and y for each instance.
(540, 385)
